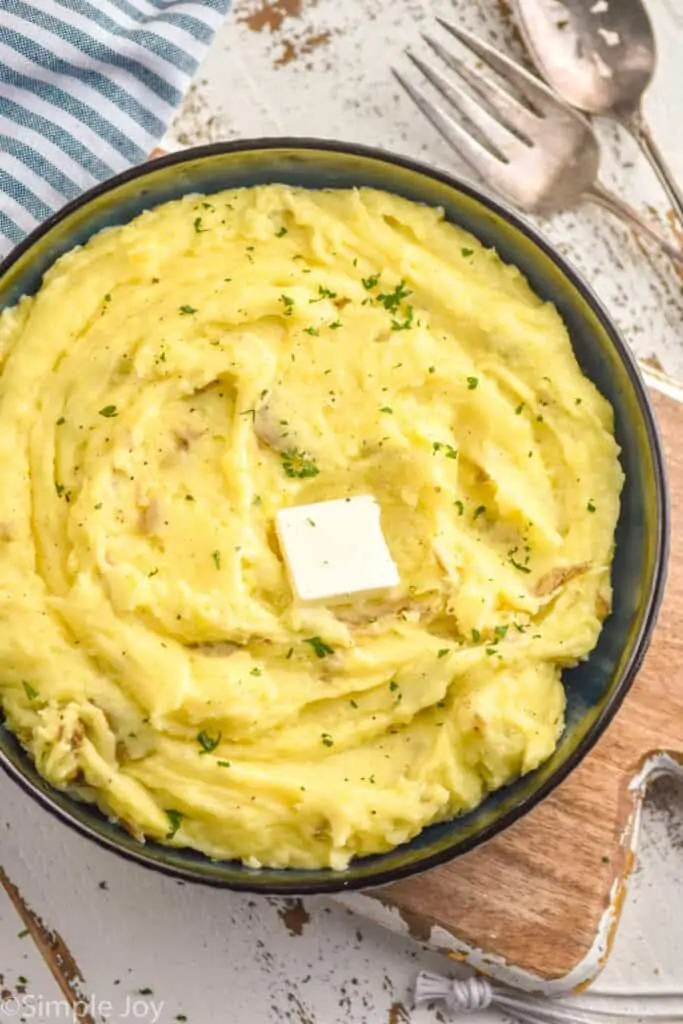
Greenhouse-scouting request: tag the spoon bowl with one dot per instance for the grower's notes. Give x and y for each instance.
(599, 57)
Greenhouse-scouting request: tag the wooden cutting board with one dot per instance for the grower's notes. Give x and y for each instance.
(538, 904)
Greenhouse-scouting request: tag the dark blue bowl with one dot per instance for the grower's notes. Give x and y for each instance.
(597, 687)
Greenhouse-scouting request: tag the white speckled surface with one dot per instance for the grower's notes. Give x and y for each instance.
(303, 67)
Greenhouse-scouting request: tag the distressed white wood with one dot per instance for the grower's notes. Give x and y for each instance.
(218, 957)
(23, 972)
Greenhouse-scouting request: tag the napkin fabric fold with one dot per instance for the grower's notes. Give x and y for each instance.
(87, 88)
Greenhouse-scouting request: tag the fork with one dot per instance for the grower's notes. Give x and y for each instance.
(524, 141)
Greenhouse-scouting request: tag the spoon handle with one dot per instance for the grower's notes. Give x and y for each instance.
(638, 127)
(597, 193)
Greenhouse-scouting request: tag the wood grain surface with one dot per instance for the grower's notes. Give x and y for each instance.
(536, 894)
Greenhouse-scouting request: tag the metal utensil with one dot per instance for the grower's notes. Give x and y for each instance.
(600, 57)
(533, 147)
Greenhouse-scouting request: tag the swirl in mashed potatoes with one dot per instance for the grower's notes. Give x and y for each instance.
(177, 381)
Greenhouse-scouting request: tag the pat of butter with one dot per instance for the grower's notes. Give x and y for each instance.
(335, 550)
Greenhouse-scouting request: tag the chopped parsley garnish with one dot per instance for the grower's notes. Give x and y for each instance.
(288, 303)
(198, 225)
(519, 409)
(460, 507)
(467, 252)
(154, 572)
(335, 325)
(208, 743)
(500, 631)
(518, 565)
(353, 703)
(174, 819)
(256, 671)
(107, 297)
(190, 497)
(392, 300)
(393, 686)
(451, 452)
(472, 383)
(404, 325)
(61, 421)
(432, 369)
(281, 233)
(319, 646)
(249, 412)
(29, 690)
(476, 636)
(224, 764)
(479, 511)
(216, 555)
(313, 331)
(443, 652)
(591, 505)
(324, 293)
(520, 629)
(289, 653)
(187, 310)
(577, 401)
(386, 408)
(370, 282)
(327, 740)
(108, 411)
(491, 650)
(297, 464)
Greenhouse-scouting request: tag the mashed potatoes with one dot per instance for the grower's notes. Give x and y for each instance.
(177, 381)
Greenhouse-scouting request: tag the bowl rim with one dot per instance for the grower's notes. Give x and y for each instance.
(249, 883)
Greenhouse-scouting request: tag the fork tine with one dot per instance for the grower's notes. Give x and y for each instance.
(494, 133)
(535, 91)
(479, 158)
(516, 115)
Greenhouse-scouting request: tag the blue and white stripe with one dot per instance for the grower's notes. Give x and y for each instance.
(87, 88)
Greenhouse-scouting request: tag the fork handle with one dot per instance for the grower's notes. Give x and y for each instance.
(639, 129)
(597, 193)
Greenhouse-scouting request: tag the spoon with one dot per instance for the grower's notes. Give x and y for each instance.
(599, 55)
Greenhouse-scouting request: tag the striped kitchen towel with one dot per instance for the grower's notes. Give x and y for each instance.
(87, 88)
